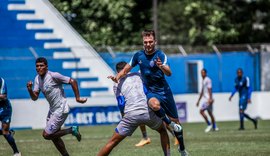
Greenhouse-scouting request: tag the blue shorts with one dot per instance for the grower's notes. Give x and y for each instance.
(5, 115)
(166, 102)
(243, 103)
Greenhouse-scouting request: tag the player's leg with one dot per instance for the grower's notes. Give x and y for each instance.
(53, 128)
(255, 122)
(114, 141)
(9, 137)
(60, 145)
(210, 112)
(241, 115)
(145, 140)
(202, 112)
(154, 104)
(164, 140)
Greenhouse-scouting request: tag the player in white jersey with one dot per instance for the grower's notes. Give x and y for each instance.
(50, 84)
(132, 101)
(206, 101)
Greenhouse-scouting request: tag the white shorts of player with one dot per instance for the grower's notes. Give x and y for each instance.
(55, 121)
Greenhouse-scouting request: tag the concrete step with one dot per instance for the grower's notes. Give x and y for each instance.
(90, 84)
(101, 94)
(54, 45)
(27, 16)
(61, 55)
(34, 26)
(82, 74)
(72, 65)
(18, 7)
(45, 36)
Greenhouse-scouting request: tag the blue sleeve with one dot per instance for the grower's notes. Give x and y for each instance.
(145, 90)
(249, 92)
(121, 103)
(134, 60)
(234, 89)
(163, 57)
(3, 89)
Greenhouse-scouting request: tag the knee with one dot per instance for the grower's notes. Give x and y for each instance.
(201, 112)
(46, 136)
(154, 104)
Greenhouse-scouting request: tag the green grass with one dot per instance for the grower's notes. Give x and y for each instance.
(227, 141)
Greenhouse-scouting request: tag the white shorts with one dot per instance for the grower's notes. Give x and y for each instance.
(206, 106)
(54, 122)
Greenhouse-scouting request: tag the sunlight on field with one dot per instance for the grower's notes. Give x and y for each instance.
(227, 141)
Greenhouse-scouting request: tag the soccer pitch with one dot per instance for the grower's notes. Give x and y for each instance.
(227, 141)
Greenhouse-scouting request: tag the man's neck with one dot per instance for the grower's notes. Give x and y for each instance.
(150, 53)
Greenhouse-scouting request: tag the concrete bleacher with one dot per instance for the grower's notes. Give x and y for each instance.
(19, 48)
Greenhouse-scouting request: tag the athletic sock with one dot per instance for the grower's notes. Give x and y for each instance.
(144, 135)
(11, 142)
(180, 138)
(241, 120)
(214, 125)
(208, 123)
(248, 117)
(161, 113)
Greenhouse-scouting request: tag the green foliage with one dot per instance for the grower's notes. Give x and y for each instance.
(106, 22)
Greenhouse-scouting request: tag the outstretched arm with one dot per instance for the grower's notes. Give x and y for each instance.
(121, 74)
(75, 89)
(34, 95)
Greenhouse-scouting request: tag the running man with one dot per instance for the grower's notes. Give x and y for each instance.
(5, 117)
(50, 84)
(153, 68)
(132, 101)
(242, 85)
(207, 101)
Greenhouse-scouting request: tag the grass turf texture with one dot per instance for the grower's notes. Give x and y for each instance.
(227, 141)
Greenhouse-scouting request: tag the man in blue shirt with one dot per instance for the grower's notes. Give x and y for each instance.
(242, 85)
(5, 117)
(153, 68)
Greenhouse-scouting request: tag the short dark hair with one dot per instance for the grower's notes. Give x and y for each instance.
(42, 60)
(239, 69)
(120, 65)
(204, 70)
(148, 33)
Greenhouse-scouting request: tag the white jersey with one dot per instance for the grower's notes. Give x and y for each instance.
(206, 84)
(52, 89)
(131, 88)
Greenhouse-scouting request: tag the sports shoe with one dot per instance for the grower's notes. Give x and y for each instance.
(175, 127)
(183, 153)
(216, 129)
(176, 141)
(17, 154)
(241, 128)
(143, 142)
(208, 129)
(76, 133)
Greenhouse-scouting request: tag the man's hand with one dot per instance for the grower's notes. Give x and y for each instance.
(197, 104)
(29, 85)
(113, 78)
(210, 101)
(249, 101)
(158, 62)
(230, 98)
(81, 100)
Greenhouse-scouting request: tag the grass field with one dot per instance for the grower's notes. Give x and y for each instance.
(226, 142)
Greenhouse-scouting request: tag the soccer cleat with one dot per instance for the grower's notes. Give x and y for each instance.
(176, 141)
(143, 142)
(175, 127)
(208, 129)
(76, 133)
(183, 153)
(216, 129)
(241, 129)
(17, 154)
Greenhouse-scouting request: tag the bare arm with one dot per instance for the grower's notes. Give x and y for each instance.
(33, 95)
(210, 101)
(197, 104)
(75, 89)
(3, 96)
(164, 68)
(121, 74)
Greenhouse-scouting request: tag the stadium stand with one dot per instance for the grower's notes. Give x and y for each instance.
(23, 38)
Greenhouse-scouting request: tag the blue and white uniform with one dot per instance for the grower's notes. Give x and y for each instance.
(242, 85)
(154, 79)
(51, 85)
(132, 102)
(206, 84)
(5, 106)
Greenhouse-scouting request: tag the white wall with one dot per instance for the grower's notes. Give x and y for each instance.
(28, 113)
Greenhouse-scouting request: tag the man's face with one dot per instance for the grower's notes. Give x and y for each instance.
(149, 43)
(203, 73)
(41, 68)
(239, 73)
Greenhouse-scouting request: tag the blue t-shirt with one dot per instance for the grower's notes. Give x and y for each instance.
(242, 85)
(152, 76)
(3, 90)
